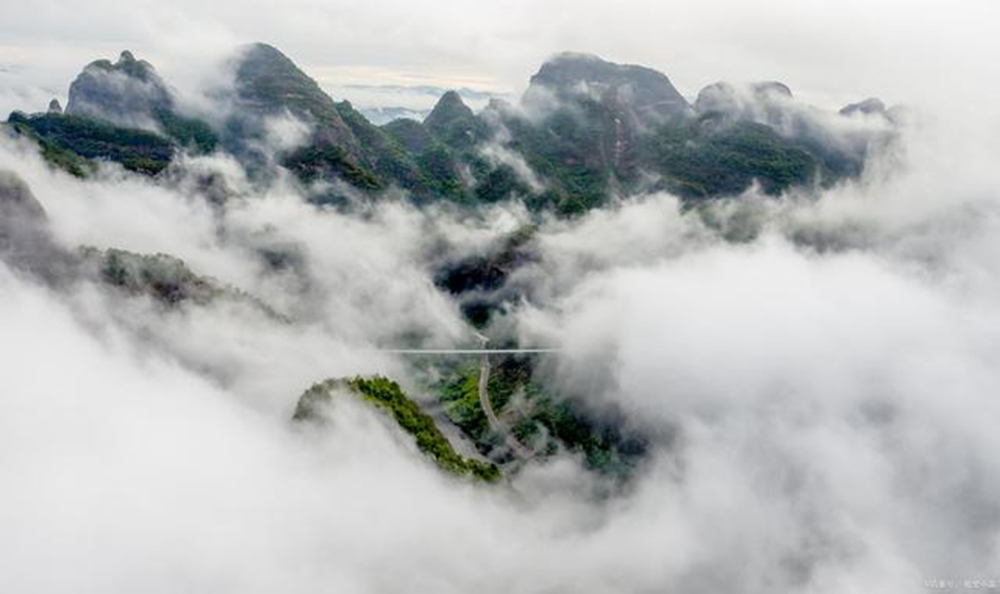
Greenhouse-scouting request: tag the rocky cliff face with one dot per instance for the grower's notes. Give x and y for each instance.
(642, 94)
(127, 93)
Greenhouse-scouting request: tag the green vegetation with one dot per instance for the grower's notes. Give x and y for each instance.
(269, 84)
(700, 159)
(405, 153)
(324, 161)
(584, 154)
(439, 175)
(389, 397)
(62, 136)
(460, 394)
(542, 420)
(426, 167)
(630, 132)
(603, 447)
(268, 81)
(55, 156)
(495, 184)
(192, 134)
(453, 123)
(570, 151)
(410, 134)
(388, 159)
(102, 97)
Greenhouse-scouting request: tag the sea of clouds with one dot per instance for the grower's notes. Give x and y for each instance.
(817, 374)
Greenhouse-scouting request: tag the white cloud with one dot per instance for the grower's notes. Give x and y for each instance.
(819, 395)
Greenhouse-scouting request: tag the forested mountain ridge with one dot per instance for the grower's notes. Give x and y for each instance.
(585, 132)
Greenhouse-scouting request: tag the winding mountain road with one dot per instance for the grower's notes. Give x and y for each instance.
(484, 401)
(519, 449)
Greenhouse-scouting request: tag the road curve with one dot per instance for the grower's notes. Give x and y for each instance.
(520, 451)
(484, 401)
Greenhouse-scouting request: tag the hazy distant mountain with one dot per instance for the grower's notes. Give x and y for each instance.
(383, 115)
(383, 103)
(424, 90)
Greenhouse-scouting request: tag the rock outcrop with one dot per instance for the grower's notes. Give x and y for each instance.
(127, 93)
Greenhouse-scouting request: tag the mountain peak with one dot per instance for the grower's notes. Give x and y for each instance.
(266, 76)
(453, 121)
(449, 108)
(451, 96)
(649, 93)
(566, 69)
(269, 83)
(127, 64)
(126, 93)
(728, 98)
(259, 51)
(570, 57)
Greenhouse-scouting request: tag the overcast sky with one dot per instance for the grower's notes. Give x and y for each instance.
(828, 52)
